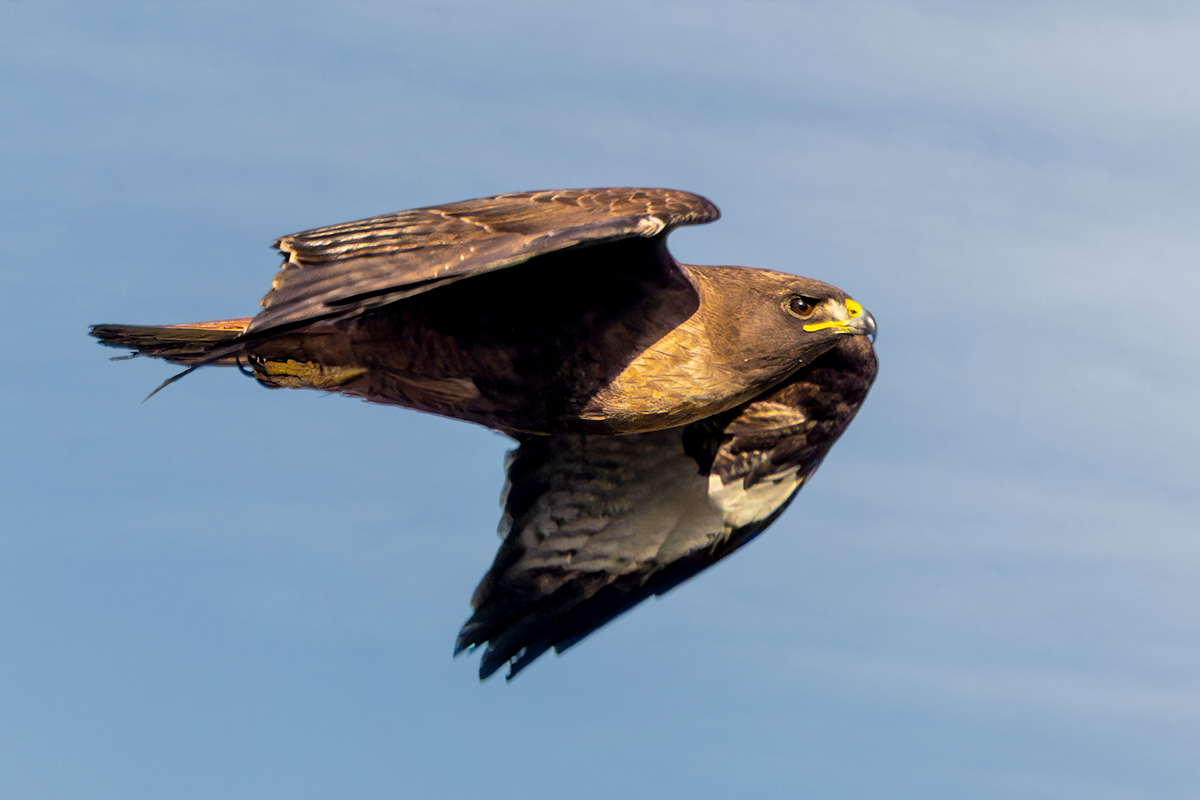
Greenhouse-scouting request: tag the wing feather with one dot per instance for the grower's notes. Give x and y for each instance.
(593, 525)
(344, 270)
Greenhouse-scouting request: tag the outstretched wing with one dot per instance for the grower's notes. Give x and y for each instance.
(593, 525)
(344, 270)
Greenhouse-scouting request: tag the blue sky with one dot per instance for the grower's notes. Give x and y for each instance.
(990, 590)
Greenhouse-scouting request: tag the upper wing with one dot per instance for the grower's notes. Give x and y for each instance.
(343, 270)
(593, 525)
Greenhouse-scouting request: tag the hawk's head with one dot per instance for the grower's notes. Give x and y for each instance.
(774, 322)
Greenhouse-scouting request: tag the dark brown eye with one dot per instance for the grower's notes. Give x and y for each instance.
(802, 307)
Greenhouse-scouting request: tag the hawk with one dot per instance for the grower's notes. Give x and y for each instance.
(665, 414)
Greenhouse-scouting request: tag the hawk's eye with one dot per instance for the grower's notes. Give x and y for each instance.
(802, 307)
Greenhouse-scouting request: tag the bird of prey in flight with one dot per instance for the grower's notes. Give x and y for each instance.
(665, 414)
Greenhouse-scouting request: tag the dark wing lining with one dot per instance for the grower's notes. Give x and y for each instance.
(343, 270)
(590, 522)
(593, 525)
(597, 524)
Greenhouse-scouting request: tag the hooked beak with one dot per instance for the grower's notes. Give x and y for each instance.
(867, 323)
(850, 318)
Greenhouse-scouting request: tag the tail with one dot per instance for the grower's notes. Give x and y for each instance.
(188, 344)
(223, 343)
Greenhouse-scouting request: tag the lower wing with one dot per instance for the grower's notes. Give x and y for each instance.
(594, 525)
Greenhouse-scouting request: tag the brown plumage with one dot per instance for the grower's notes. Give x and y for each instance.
(666, 413)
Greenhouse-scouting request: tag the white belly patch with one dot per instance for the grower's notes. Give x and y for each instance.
(743, 506)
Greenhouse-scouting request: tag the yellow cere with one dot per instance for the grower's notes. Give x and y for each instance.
(853, 310)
